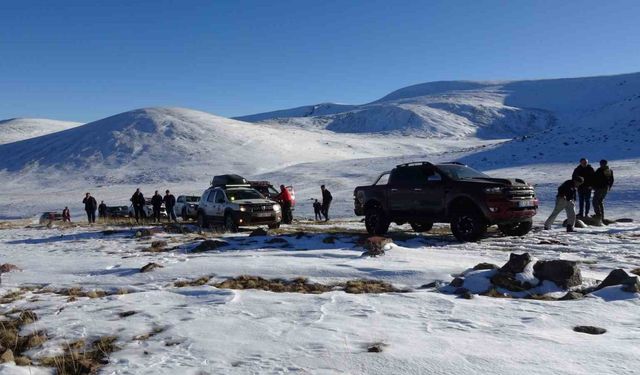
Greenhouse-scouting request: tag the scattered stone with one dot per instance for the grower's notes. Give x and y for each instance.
(467, 295)
(617, 277)
(632, 288)
(624, 220)
(125, 314)
(572, 296)
(144, 232)
(177, 228)
(329, 240)
(509, 282)
(590, 330)
(485, 266)
(207, 245)
(158, 244)
(552, 242)
(516, 263)
(8, 267)
(375, 348)
(150, 267)
(562, 272)
(457, 282)
(259, 232)
(7, 356)
(375, 245)
(592, 221)
(431, 285)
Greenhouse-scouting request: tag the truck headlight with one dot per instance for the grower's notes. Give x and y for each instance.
(493, 190)
(243, 208)
(276, 207)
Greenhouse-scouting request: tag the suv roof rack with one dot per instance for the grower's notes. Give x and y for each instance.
(414, 163)
(259, 183)
(228, 179)
(453, 162)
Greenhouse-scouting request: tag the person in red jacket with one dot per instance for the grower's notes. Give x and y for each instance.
(285, 202)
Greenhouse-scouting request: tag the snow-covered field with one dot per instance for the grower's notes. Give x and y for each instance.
(536, 130)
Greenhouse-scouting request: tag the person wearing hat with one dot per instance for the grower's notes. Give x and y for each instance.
(566, 200)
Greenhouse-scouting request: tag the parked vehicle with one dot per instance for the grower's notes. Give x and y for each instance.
(236, 206)
(187, 206)
(49, 216)
(268, 190)
(117, 211)
(148, 210)
(423, 193)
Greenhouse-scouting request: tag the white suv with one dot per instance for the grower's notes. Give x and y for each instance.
(236, 206)
(187, 207)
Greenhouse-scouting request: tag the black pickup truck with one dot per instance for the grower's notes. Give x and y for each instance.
(423, 193)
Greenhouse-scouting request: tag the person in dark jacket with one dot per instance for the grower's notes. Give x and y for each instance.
(90, 206)
(565, 200)
(602, 184)
(156, 203)
(326, 202)
(285, 200)
(66, 215)
(102, 210)
(584, 170)
(169, 203)
(317, 210)
(137, 200)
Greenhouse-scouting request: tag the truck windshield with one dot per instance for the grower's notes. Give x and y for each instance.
(460, 172)
(235, 195)
(193, 199)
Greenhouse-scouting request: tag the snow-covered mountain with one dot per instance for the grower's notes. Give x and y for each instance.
(17, 129)
(490, 109)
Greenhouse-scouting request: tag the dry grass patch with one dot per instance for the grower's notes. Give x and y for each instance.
(147, 336)
(368, 286)
(197, 282)
(79, 358)
(297, 285)
(11, 342)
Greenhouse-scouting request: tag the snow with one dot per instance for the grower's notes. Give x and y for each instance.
(536, 130)
(17, 129)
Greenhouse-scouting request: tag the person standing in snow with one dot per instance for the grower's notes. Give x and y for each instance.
(156, 203)
(326, 202)
(90, 206)
(137, 200)
(317, 210)
(602, 184)
(565, 200)
(169, 203)
(285, 200)
(102, 211)
(66, 215)
(584, 170)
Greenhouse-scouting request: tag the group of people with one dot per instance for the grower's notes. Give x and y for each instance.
(138, 202)
(322, 209)
(584, 181)
(90, 207)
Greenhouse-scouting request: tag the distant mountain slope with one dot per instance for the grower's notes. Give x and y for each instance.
(489, 109)
(17, 129)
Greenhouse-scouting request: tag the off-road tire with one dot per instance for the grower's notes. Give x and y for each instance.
(517, 229)
(423, 226)
(184, 215)
(229, 224)
(274, 226)
(468, 226)
(376, 221)
(202, 221)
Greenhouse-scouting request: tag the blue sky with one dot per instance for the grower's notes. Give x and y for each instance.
(84, 60)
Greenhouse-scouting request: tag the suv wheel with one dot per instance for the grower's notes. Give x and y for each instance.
(202, 220)
(274, 226)
(423, 226)
(184, 215)
(468, 226)
(517, 229)
(376, 221)
(230, 224)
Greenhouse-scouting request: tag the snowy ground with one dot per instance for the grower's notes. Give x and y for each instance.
(210, 330)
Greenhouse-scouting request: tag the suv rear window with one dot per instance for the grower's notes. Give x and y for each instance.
(408, 176)
(460, 172)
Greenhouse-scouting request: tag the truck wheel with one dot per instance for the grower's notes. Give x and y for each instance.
(230, 224)
(376, 221)
(202, 220)
(274, 226)
(423, 226)
(184, 215)
(468, 226)
(517, 229)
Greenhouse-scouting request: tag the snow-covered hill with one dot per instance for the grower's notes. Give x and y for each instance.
(490, 109)
(17, 129)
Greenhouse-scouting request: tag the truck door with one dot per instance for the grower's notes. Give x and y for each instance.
(404, 184)
(219, 206)
(208, 203)
(430, 196)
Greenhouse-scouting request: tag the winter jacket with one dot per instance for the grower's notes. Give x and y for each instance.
(102, 209)
(169, 201)
(603, 178)
(156, 201)
(586, 173)
(285, 195)
(90, 203)
(567, 190)
(137, 199)
(326, 197)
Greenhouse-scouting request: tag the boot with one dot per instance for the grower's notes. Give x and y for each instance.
(570, 228)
